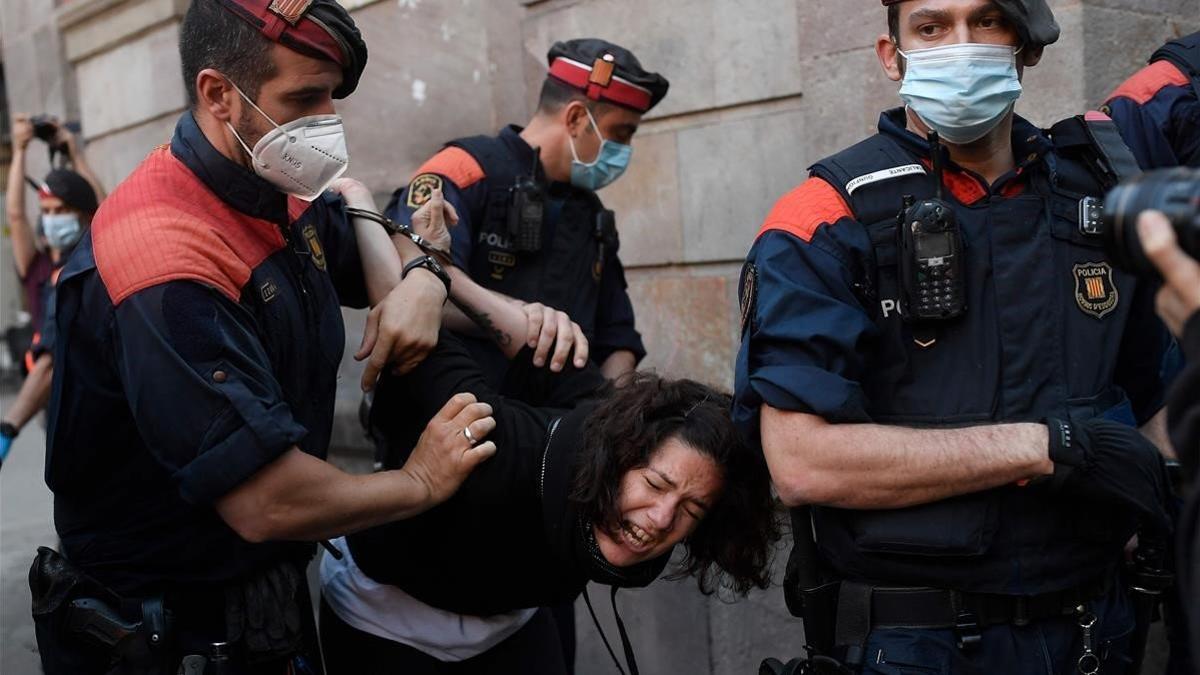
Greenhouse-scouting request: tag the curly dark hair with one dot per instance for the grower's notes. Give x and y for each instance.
(732, 545)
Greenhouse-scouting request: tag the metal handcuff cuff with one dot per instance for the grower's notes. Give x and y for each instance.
(432, 260)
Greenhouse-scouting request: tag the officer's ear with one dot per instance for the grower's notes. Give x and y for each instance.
(214, 95)
(889, 57)
(575, 117)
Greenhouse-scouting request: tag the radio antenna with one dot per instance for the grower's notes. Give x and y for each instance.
(935, 151)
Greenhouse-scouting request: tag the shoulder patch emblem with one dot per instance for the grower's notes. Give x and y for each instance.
(748, 295)
(1095, 291)
(314, 246)
(421, 189)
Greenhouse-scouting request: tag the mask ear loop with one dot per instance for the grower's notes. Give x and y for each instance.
(260, 112)
(599, 151)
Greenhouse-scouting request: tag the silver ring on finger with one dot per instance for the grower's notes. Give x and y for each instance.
(470, 436)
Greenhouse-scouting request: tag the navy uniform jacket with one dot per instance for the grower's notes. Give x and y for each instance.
(1158, 113)
(199, 337)
(571, 273)
(1051, 329)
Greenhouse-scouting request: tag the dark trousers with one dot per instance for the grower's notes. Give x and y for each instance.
(1047, 647)
(533, 650)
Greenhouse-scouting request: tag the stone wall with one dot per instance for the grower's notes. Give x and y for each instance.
(760, 90)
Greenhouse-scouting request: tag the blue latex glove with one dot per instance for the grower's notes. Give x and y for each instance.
(5, 445)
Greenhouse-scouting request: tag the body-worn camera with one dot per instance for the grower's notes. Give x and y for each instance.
(526, 211)
(1175, 192)
(932, 275)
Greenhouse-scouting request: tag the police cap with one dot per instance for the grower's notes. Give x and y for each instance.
(321, 29)
(606, 72)
(72, 188)
(1034, 21)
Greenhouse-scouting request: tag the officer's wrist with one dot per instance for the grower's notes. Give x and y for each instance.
(9, 429)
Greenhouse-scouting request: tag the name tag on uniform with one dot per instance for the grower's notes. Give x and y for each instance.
(886, 174)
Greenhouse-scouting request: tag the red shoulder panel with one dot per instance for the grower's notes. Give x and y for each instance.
(163, 224)
(456, 164)
(804, 209)
(1148, 81)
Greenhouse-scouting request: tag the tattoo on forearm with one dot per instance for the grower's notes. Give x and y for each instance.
(484, 321)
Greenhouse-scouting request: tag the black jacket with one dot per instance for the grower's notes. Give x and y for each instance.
(1183, 410)
(509, 538)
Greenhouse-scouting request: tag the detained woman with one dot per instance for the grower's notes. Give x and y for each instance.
(590, 483)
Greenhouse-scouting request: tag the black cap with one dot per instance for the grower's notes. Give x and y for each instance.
(1034, 20)
(71, 188)
(606, 72)
(321, 29)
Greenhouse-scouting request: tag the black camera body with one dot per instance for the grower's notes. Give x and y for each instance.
(1175, 192)
(45, 127)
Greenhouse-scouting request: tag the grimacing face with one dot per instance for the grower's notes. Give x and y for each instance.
(660, 504)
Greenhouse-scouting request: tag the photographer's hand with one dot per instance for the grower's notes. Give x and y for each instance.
(1179, 297)
(22, 131)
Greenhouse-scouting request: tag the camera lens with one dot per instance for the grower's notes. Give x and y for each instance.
(1175, 192)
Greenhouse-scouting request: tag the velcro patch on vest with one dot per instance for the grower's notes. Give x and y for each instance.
(421, 189)
(886, 174)
(1095, 292)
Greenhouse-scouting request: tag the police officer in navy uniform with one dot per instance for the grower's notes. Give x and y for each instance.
(1158, 108)
(195, 370)
(531, 225)
(947, 376)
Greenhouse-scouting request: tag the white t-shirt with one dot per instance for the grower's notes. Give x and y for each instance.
(386, 611)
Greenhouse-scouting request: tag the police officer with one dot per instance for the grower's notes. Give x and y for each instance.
(532, 227)
(1158, 108)
(955, 390)
(199, 338)
(67, 200)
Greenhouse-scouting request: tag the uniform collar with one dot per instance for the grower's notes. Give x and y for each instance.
(1029, 143)
(1030, 146)
(522, 153)
(236, 185)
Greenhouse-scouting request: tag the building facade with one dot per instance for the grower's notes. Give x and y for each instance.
(760, 89)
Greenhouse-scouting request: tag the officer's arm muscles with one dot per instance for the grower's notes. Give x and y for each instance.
(300, 497)
(870, 466)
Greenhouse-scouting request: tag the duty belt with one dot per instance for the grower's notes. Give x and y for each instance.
(862, 607)
(939, 608)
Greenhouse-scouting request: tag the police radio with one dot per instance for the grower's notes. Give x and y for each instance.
(526, 211)
(932, 275)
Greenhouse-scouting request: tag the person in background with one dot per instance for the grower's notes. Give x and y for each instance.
(1157, 110)
(67, 199)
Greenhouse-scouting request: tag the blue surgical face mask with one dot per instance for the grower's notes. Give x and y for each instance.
(62, 229)
(610, 162)
(961, 91)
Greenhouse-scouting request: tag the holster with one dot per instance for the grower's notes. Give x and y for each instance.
(806, 595)
(73, 611)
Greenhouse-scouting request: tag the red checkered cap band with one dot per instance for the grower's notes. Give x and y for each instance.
(44, 192)
(273, 18)
(619, 90)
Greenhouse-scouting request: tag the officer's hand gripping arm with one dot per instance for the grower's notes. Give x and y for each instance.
(299, 497)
